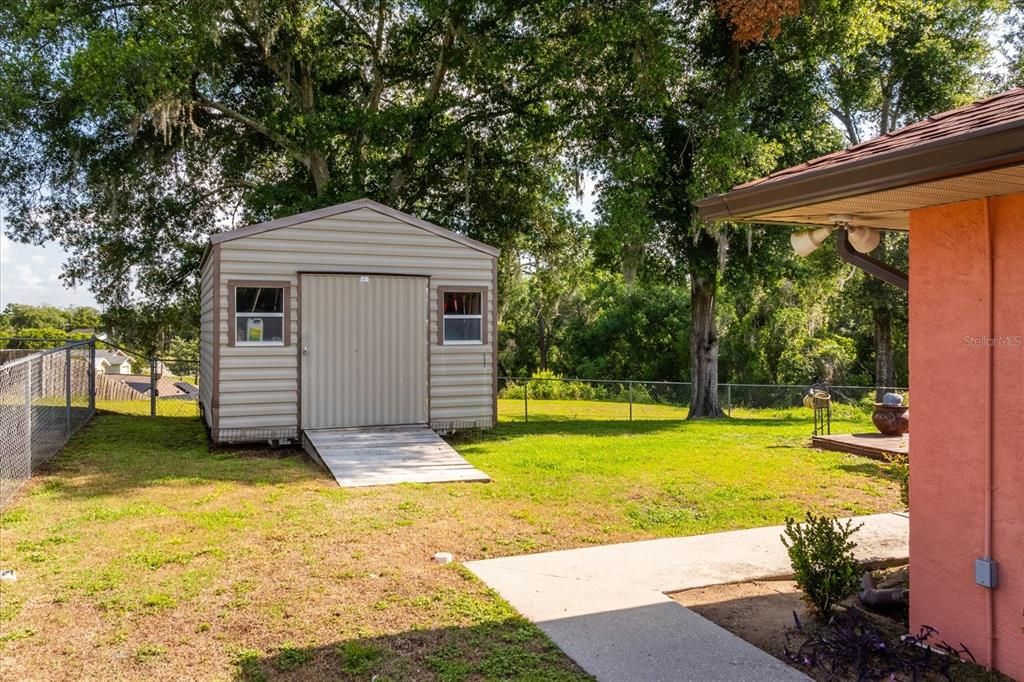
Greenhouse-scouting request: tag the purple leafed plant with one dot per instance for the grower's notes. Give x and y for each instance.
(852, 645)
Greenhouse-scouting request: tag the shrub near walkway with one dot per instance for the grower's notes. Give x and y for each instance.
(142, 554)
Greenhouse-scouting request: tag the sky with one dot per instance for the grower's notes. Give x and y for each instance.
(29, 274)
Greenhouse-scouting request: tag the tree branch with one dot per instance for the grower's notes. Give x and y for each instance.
(256, 126)
(400, 176)
(846, 119)
(353, 17)
(282, 74)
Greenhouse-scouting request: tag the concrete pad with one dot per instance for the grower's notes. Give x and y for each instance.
(386, 455)
(606, 607)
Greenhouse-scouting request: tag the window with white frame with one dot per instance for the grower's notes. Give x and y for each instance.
(259, 316)
(463, 319)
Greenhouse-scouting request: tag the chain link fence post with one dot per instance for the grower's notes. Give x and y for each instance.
(92, 374)
(28, 409)
(526, 401)
(728, 399)
(152, 387)
(631, 401)
(67, 392)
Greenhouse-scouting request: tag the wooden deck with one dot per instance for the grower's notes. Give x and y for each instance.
(873, 445)
(384, 455)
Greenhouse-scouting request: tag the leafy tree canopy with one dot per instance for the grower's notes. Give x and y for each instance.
(20, 316)
(130, 131)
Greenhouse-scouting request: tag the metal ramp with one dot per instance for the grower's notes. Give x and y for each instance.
(384, 455)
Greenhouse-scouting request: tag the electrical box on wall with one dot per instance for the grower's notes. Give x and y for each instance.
(986, 572)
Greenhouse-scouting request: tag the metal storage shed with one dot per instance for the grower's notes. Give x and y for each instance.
(348, 316)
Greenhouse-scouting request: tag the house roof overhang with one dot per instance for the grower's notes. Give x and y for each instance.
(960, 155)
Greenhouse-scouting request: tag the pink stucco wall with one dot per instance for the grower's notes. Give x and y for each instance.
(949, 271)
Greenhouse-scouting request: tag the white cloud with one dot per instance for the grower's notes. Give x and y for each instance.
(30, 274)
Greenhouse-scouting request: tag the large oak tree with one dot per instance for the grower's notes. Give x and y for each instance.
(130, 131)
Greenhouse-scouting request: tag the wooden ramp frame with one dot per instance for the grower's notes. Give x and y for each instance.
(384, 455)
(873, 445)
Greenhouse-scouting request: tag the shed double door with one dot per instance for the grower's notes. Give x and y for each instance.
(364, 350)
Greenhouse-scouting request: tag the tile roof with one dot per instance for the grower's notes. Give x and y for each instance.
(1006, 107)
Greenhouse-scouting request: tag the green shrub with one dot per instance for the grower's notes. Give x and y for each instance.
(546, 385)
(821, 552)
(847, 412)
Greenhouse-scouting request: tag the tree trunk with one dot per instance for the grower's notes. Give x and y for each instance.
(703, 348)
(629, 273)
(885, 361)
(319, 170)
(542, 341)
(632, 258)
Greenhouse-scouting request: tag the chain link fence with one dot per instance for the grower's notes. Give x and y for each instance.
(552, 399)
(47, 394)
(45, 397)
(131, 383)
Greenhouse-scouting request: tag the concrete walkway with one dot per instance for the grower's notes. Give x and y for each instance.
(606, 608)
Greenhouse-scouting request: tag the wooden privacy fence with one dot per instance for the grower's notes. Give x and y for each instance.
(112, 388)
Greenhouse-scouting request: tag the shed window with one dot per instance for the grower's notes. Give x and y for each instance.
(259, 316)
(463, 320)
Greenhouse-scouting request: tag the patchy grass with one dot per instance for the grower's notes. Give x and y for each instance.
(141, 553)
(165, 407)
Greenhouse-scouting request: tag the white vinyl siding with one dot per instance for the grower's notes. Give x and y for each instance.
(206, 307)
(264, 380)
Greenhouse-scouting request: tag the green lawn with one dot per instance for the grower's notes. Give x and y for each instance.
(140, 553)
(516, 410)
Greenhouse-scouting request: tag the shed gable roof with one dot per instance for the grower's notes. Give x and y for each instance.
(348, 207)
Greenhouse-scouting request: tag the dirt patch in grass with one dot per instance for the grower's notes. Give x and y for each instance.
(758, 611)
(764, 612)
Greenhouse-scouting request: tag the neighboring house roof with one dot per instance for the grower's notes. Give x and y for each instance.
(113, 357)
(338, 209)
(186, 387)
(970, 152)
(141, 383)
